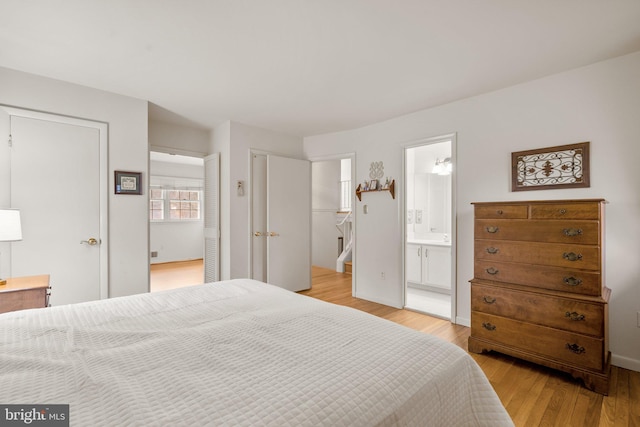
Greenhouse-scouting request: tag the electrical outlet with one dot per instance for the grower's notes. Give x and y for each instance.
(154, 254)
(382, 275)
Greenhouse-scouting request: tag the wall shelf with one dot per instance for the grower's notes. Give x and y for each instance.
(391, 189)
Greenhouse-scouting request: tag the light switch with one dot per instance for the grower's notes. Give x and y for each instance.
(365, 209)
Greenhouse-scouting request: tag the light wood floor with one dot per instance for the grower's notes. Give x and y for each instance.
(533, 395)
(170, 275)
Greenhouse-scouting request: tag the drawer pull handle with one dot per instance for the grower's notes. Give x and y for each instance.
(492, 250)
(489, 300)
(492, 229)
(492, 271)
(571, 232)
(489, 327)
(572, 256)
(575, 348)
(572, 281)
(574, 316)
(562, 211)
(499, 212)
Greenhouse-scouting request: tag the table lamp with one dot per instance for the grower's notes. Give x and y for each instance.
(10, 229)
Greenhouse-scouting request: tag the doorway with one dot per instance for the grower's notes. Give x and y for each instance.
(430, 227)
(176, 220)
(333, 242)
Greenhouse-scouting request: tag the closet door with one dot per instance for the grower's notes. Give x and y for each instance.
(289, 223)
(58, 181)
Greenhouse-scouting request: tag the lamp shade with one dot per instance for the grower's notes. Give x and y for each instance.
(10, 227)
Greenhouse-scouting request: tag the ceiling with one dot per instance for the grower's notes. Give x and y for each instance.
(307, 67)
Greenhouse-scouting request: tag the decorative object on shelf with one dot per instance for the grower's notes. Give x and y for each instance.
(443, 167)
(128, 182)
(373, 185)
(365, 188)
(565, 166)
(386, 184)
(376, 171)
(10, 229)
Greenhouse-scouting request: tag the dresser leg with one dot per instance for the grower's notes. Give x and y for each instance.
(475, 346)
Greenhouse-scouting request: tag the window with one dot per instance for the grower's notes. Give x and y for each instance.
(184, 204)
(156, 204)
(345, 185)
(174, 205)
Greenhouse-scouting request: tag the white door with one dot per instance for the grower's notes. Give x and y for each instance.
(212, 218)
(259, 217)
(56, 184)
(281, 221)
(289, 223)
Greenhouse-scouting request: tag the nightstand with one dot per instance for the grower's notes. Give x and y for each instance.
(21, 293)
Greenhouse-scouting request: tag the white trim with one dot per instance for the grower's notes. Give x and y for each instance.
(103, 132)
(625, 362)
(181, 152)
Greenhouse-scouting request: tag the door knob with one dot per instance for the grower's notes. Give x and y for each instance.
(91, 241)
(258, 234)
(272, 234)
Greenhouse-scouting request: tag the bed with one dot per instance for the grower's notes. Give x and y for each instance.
(240, 353)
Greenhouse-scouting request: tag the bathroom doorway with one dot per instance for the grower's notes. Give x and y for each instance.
(430, 227)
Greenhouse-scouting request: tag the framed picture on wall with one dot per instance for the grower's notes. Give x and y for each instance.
(128, 182)
(564, 166)
(373, 184)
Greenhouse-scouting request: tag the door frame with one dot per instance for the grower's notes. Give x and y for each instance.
(454, 281)
(340, 156)
(103, 135)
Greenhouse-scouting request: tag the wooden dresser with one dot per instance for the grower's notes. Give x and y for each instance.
(538, 290)
(21, 293)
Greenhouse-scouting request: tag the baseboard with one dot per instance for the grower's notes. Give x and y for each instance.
(625, 362)
(463, 321)
(377, 300)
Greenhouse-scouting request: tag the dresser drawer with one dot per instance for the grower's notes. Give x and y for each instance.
(587, 210)
(580, 232)
(501, 211)
(583, 282)
(547, 310)
(555, 254)
(575, 349)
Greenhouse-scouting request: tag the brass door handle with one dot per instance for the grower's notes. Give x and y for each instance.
(258, 234)
(91, 241)
(272, 234)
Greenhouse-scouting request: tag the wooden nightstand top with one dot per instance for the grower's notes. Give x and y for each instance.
(25, 282)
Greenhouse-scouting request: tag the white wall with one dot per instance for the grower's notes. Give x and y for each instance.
(127, 119)
(325, 202)
(178, 240)
(234, 141)
(172, 138)
(599, 103)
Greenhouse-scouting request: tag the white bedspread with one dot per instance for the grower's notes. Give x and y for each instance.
(237, 353)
